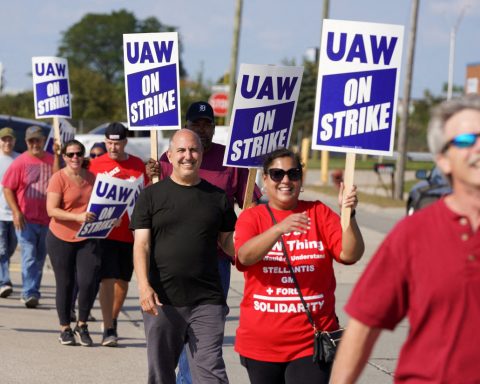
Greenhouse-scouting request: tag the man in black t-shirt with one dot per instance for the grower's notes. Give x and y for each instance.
(178, 223)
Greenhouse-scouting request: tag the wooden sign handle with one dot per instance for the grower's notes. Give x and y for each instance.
(347, 183)
(154, 150)
(247, 199)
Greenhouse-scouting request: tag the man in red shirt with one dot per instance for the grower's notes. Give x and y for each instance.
(116, 250)
(428, 269)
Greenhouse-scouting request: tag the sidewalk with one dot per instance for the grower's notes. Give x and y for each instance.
(31, 352)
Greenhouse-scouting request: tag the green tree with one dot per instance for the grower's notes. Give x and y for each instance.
(96, 41)
(94, 49)
(20, 104)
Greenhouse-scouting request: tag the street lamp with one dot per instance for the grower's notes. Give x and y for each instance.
(451, 58)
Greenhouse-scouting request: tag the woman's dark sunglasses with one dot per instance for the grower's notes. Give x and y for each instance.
(71, 154)
(277, 174)
(94, 155)
(464, 140)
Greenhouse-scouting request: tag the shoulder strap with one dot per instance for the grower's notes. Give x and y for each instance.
(294, 278)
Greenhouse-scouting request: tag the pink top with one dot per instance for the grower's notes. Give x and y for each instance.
(28, 178)
(74, 199)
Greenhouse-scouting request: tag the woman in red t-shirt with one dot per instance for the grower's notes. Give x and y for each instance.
(73, 259)
(275, 337)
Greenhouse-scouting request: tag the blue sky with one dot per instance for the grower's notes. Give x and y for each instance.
(272, 30)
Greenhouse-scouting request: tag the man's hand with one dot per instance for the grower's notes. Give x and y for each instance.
(86, 217)
(152, 169)
(148, 300)
(18, 221)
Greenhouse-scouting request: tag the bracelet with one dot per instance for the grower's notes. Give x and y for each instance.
(353, 213)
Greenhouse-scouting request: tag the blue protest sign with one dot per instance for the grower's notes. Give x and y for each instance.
(263, 112)
(51, 87)
(152, 81)
(357, 89)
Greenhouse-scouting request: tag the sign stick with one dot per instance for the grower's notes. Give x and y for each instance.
(347, 183)
(247, 199)
(154, 150)
(56, 132)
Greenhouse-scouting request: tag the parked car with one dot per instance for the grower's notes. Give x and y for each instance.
(20, 125)
(433, 186)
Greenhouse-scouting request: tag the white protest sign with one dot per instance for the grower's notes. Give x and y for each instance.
(263, 112)
(152, 80)
(139, 185)
(357, 90)
(110, 199)
(67, 133)
(51, 88)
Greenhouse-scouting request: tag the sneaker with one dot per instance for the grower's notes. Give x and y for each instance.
(109, 338)
(30, 301)
(82, 332)
(67, 337)
(6, 291)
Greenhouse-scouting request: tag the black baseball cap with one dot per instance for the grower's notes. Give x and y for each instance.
(200, 110)
(116, 131)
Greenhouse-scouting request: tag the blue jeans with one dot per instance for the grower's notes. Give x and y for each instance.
(8, 244)
(224, 267)
(32, 244)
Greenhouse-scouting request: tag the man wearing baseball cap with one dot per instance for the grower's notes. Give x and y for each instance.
(116, 251)
(25, 189)
(8, 239)
(200, 119)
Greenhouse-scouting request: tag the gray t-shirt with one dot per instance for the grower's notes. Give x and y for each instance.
(5, 161)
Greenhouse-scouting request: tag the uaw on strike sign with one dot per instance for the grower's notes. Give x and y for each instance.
(50, 87)
(357, 89)
(152, 80)
(263, 111)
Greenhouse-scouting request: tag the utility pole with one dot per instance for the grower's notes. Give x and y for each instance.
(451, 58)
(402, 132)
(234, 58)
(324, 157)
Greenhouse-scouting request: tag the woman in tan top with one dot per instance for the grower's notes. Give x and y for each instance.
(68, 194)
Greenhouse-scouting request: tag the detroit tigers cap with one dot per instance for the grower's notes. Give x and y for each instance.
(199, 110)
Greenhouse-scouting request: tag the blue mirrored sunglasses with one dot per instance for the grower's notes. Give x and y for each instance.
(464, 140)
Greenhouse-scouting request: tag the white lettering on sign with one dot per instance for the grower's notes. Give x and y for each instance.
(52, 103)
(355, 121)
(97, 226)
(259, 145)
(53, 88)
(152, 106)
(263, 121)
(150, 83)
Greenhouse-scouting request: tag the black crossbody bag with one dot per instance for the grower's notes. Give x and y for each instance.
(324, 343)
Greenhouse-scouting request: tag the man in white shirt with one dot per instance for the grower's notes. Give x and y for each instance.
(8, 239)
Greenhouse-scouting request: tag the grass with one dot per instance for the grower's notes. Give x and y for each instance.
(338, 162)
(380, 201)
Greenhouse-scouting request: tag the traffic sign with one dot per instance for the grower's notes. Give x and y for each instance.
(219, 103)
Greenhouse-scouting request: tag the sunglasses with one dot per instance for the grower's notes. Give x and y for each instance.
(277, 174)
(465, 140)
(70, 155)
(94, 155)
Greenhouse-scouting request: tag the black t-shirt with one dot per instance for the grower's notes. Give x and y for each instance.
(185, 222)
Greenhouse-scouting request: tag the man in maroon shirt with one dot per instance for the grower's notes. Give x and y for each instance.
(428, 269)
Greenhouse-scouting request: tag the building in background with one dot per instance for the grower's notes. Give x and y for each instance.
(472, 82)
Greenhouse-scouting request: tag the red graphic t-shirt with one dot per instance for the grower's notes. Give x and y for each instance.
(273, 325)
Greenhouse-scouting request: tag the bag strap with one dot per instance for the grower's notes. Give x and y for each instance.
(292, 273)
